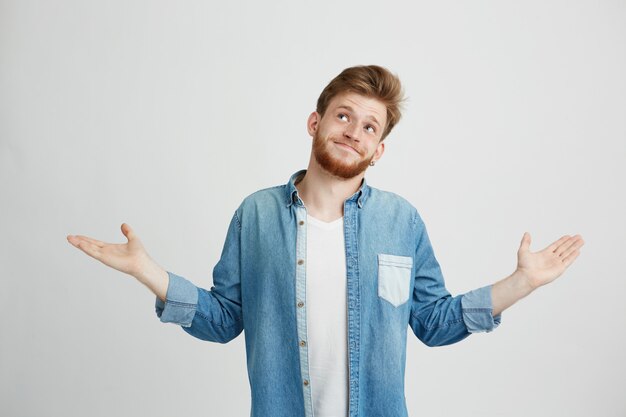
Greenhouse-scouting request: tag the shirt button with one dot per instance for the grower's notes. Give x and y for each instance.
(300, 261)
(301, 222)
(300, 304)
(306, 383)
(302, 343)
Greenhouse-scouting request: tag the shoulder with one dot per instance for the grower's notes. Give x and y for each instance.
(394, 203)
(379, 195)
(264, 199)
(383, 197)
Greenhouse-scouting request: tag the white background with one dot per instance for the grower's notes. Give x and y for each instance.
(165, 115)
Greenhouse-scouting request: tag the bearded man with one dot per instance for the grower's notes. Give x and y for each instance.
(325, 273)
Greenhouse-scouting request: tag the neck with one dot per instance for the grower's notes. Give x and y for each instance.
(323, 194)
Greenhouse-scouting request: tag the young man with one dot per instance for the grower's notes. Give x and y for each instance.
(325, 273)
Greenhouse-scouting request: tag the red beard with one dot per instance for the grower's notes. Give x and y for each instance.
(334, 165)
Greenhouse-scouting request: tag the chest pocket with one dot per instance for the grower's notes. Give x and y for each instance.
(394, 278)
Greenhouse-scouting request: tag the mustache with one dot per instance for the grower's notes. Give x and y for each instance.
(348, 144)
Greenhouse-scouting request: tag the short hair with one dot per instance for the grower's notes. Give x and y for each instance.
(371, 81)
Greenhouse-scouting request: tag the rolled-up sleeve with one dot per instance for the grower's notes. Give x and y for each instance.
(214, 315)
(477, 310)
(181, 301)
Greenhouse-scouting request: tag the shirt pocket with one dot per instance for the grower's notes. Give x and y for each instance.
(394, 278)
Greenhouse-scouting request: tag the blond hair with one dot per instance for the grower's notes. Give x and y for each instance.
(371, 81)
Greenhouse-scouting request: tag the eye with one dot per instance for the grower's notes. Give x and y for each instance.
(371, 128)
(340, 115)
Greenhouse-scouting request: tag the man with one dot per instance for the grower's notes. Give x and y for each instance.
(325, 273)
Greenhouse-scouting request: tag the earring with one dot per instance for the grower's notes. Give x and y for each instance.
(372, 162)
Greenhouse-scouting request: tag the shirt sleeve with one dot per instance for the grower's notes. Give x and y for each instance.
(180, 303)
(213, 315)
(437, 318)
(477, 310)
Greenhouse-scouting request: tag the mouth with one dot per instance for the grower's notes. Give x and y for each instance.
(347, 147)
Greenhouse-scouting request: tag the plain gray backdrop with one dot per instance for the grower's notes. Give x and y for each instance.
(165, 115)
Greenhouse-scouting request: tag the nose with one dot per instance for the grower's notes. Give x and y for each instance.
(352, 131)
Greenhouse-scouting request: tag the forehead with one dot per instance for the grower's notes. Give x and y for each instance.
(366, 106)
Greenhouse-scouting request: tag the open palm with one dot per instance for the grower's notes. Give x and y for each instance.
(545, 266)
(125, 257)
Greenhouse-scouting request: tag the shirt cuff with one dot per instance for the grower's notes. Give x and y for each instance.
(477, 311)
(181, 301)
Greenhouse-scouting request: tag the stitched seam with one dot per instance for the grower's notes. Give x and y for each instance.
(180, 304)
(477, 310)
(393, 263)
(416, 219)
(395, 306)
(238, 222)
(217, 324)
(446, 324)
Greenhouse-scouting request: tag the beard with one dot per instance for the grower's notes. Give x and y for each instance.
(338, 167)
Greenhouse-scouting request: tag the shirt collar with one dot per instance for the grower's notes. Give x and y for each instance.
(292, 192)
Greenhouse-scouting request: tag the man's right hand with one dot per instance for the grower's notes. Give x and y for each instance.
(125, 257)
(130, 258)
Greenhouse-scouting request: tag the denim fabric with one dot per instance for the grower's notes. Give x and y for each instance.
(393, 282)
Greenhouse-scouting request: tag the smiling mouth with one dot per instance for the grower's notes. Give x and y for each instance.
(347, 147)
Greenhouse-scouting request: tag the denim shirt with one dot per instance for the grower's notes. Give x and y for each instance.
(393, 282)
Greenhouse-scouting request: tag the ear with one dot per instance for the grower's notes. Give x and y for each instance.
(312, 123)
(380, 150)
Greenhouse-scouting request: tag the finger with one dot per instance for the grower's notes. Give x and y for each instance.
(128, 231)
(91, 240)
(575, 246)
(525, 243)
(570, 258)
(89, 248)
(565, 246)
(558, 243)
(74, 240)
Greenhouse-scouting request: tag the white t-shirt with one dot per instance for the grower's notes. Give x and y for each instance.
(327, 317)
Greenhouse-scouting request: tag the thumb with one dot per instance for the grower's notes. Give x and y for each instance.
(128, 231)
(525, 244)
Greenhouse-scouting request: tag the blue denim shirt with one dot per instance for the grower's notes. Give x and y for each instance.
(393, 282)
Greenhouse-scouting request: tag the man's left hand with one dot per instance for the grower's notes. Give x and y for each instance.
(543, 267)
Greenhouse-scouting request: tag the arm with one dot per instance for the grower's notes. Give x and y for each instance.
(155, 278)
(437, 318)
(534, 269)
(214, 315)
(130, 258)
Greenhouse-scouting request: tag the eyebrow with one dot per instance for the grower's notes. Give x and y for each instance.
(350, 109)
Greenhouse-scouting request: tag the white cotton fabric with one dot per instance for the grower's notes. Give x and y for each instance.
(327, 317)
